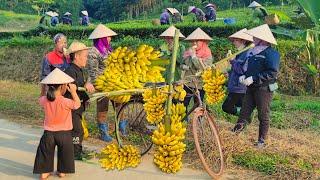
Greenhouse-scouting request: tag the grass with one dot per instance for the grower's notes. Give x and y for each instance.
(12, 22)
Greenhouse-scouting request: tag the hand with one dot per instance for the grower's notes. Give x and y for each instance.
(72, 88)
(241, 79)
(89, 87)
(248, 81)
(184, 67)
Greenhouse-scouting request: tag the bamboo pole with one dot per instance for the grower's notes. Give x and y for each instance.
(171, 80)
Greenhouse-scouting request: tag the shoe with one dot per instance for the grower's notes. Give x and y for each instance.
(239, 127)
(104, 135)
(260, 144)
(123, 127)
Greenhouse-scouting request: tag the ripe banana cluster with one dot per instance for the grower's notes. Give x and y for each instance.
(154, 104)
(170, 146)
(179, 93)
(213, 85)
(129, 69)
(114, 157)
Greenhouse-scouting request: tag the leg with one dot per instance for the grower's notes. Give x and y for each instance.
(263, 99)
(187, 99)
(65, 152)
(231, 103)
(45, 154)
(102, 112)
(77, 133)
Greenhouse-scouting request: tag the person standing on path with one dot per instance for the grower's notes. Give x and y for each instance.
(78, 55)
(260, 79)
(57, 125)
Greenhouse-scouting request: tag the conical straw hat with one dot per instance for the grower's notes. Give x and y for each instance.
(191, 8)
(254, 4)
(241, 35)
(101, 31)
(262, 32)
(55, 14)
(170, 32)
(85, 13)
(210, 5)
(49, 13)
(77, 46)
(198, 34)
(67, 14)
(57, 77)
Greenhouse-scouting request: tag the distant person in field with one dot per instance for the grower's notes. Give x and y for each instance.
(211, 14)
(57, 58)
(165, 17)
(167, 48)
(66, 19)
(45, 20)
(236, 90)
(101, 37)
(200, 15)
(260, 79)
(85, 18)
(57, 126)
(54, 19)
(259, 11)
(176, 18)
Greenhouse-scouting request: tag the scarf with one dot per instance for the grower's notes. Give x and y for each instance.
(102, 45)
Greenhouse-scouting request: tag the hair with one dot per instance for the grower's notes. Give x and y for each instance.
(50, 93)
(57, 37)
(72, 55)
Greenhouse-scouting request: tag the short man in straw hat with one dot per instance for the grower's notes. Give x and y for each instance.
(78, 55)
(101, 37)
(260, 79)
(236, 90)
(166, 50)
(196, 59)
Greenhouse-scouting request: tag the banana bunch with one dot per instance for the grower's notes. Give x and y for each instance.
(114, 157)
(129, 69)
(179, 93)
(154, 104)
(170, 146)
(213, 85)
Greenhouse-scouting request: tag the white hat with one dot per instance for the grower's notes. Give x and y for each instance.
(254, 4)
(262, 32)
(57, 77)
(85, 13)
(67, 14)
(102, 31)
(198, 34)
(49, 13)
(172, 10)
(191, 8)
(170, 32)
(210, 5)
(55, 14)
(76, 46)
(242, 35)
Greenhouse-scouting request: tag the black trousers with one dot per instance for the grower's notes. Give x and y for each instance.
(44, 161)
(231, 103)
(259, 98)
(77, 131)
(190, 94)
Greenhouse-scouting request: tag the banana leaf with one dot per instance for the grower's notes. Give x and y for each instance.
(312, 9)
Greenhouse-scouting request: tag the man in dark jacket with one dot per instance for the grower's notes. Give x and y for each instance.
(211, 14)
(260, 79)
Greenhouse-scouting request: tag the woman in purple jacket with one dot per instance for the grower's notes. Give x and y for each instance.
(233, 102)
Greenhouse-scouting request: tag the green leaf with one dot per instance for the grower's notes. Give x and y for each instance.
(312, 9)
(312, 69)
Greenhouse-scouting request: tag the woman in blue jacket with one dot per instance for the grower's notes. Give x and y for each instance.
(236, 90)
(260, 79)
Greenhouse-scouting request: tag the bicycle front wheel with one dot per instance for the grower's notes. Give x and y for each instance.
(137, 131)
(208, 144)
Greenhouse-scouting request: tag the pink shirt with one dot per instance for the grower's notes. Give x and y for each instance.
(58, 113)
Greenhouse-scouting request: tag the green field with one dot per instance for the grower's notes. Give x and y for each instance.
(12, 22)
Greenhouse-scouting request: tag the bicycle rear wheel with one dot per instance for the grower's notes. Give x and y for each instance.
(138, 132)
(208, 144)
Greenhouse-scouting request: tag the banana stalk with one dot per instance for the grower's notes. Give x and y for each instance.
(171, 80)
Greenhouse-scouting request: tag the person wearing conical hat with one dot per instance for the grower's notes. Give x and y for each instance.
(236, 90)
(260, 79)
(196, 59)
(54, 19)
(101, 37)
(78, 55)
(165, 17)
(199, 14)
(166, 50)
(259, 12)
(211, 14)
(84, 18)
(45, 20)
(57, 125)
(66, 19)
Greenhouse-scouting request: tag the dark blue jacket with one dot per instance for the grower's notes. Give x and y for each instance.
(237, 70)
(211, 14)
(264, 67)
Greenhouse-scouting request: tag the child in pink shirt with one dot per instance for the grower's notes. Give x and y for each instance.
(57, 126)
